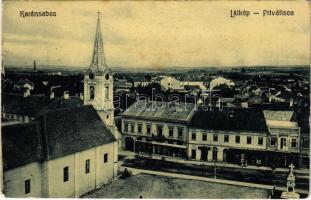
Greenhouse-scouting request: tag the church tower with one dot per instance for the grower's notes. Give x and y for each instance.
(98, 82)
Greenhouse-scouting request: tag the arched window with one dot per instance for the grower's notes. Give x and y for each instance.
(92, 92)
(107, 92)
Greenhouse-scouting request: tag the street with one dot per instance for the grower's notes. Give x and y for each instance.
(243, 175)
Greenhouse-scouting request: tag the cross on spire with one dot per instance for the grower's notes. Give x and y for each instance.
(98, 58)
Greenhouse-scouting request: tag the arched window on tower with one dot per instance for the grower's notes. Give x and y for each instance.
(92, 92)
(107, 92)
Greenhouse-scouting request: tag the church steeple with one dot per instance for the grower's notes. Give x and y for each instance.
(98, 59)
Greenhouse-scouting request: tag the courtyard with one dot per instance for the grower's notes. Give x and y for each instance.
(154, 186)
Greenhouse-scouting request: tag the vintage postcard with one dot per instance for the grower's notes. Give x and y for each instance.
(155, 99)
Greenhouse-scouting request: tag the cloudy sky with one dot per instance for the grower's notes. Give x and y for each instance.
(157, 34)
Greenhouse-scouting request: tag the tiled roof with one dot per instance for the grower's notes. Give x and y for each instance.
(21, 145)
(160, 111)
(63, 132)
(230, 119)
(34, 104)
(73, 130)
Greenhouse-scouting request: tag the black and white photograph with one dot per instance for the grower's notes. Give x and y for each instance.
(155, 99)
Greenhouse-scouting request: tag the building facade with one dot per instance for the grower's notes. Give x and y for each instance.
(243, 136)
(157, 129)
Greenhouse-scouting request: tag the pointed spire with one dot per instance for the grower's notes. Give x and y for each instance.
(2, 68)
(98, 59)
(34, 65)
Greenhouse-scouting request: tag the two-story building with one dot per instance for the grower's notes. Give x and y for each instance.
(159, 128)
(234, 135)
(284, 137)
(226, 134)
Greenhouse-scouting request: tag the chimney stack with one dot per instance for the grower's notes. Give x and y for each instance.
(52, 95)
(66, 94)
(26, 92)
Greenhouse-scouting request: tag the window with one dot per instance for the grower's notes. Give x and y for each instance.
(87, 166)
(204, 136)
(27, 186)
(226, 138)
(66, 174)
(193, 136)
(180, 132)
(92, 92)
(107, 92)
(273, 141)
(105, 157)
(139, 128)
(237, 139)
(260, 141)
(159, 130)
(193, 154)
(127, 126)
(215, 137)
(305, 141)
(294, 142)
(132, 127)
(148, 128)
(171, 131)
(249, 140)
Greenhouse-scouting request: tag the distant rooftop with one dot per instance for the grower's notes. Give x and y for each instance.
(34, 104)
(11, 122)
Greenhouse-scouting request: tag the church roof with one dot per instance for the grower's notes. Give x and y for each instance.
(160, 111)
(21, 145)
(59, 133)
(73, 130)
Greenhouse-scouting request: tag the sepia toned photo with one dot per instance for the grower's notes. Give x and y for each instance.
(155, 99)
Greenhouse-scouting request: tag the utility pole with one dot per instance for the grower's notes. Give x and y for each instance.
(215, 169)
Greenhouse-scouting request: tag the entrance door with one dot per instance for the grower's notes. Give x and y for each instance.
(204, 154)
(225, 155)
(215, 151)
(129, 144)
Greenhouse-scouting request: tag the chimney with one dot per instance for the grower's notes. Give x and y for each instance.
(26, 92)
(244, 104)
(291, 102)
(52, 95)
(66, 94)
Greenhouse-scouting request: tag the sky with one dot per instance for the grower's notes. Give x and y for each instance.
(157, 33)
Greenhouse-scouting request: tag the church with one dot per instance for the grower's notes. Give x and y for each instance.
(72, 145)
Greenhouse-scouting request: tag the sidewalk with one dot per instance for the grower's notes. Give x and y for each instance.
(304, 172)
(136, 171)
